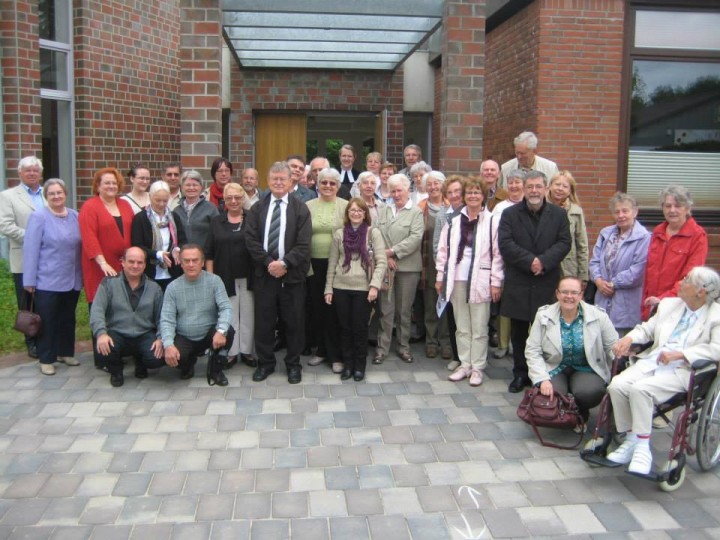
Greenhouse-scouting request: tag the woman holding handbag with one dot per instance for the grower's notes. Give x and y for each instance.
(570, 347)
(52, 272)
(356, 266)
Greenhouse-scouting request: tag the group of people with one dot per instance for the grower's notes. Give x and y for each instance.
(327, 261)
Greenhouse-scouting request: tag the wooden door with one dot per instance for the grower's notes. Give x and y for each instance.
(380, 132)
(276, 137)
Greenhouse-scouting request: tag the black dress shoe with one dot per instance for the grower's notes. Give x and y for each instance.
(141, 372)
(117, 379)
(218, 378)
(32, 351)
(517, 384)
(294, 374)
(262, 373)
(248, 360)
(358, 376)
(187, 374)
(231, 361)
(417, 339)
(345, 375)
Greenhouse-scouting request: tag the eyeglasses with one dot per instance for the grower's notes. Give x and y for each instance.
(570, 293)
(327, 183)
(234, 198)
(356, 211)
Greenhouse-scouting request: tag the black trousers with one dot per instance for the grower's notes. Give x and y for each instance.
(190, 350)
(138, 347)
(326, 332)
(22, 297)
(452, 329)
(274, 299)
(57, 337)
(353, 312)
(518, 337)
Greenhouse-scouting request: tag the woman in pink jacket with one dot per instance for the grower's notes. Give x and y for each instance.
(470, 275)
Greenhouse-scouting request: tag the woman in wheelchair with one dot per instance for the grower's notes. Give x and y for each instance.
(570, 347)
(683, 330)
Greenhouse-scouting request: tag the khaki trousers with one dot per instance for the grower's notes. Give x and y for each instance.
(396, 308)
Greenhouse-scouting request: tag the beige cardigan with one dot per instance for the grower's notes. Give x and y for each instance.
(354, 279)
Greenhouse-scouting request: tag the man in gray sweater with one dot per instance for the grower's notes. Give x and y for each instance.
(125, 319)
(196, 315)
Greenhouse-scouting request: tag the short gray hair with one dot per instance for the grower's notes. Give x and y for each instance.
(330, 174)
(413, 147)
(532, 174)
(622, 198)
(516, 173)
(366, 175)
(159, 185)
(704, 277)
(280, 167)
(419, 167)
(528, 138)
(192, 174)
(53, 182)
(435, 175)
(679, 193)
(399, 180)
(29, 161)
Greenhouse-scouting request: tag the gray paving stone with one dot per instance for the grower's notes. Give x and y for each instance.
(450, 451)
(252, 506)
(138, 510)
(428, 527)
(541, 521)
(260, 422)
(290, 505)
(157, 462)
(26, 463)
(64, 511)
(257, 458)
(309, 529)
(178, 508)
(123, 462)
(426, 434)
(156, 531)
(132, 485)
(392, 527)
(290, 421)
(385, 403)
(272, 480)
(59, 485)
(349, 528)
(400, 501)
(190, 531)
(436, 498)
(689, 514)
(577, 492)
(237, 481)
(375, 476)
(111, 532)
(235, 422)
(507, 495)
(368, 389)
(397, 434)
(290, 458)
(214, 507)
(327, 504)
(101, 510)
(363, 502)
(419, 453)
(432, 416)
(59, 463)
(323, 456)
(167, 483)
(304, 437)
(270, 529)
(348, 419)
(119, 442)
(202, 482)
(615, 517)
(319, 420)
(92, 463)
(231, 530)
(359, 455)
(410, 475)
(359, 404)
(224, 460)
(504, 523)
(26, 485)
(275, 439)
(341, 478)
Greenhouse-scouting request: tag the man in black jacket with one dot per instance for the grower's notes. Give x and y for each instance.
(278, 238)
(534, 237)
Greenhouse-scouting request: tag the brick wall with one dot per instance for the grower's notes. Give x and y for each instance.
(286, 90)
(127, 83)
(20, 61)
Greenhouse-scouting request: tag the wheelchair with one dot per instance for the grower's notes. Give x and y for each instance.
(698, 413)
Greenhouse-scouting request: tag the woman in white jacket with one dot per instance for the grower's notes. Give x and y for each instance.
(470, 275)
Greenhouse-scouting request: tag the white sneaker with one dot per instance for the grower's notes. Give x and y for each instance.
(337, 367)
(68, 360)
(642, 461)
(623, 453)
(500, 352)
(459, 374)
(453, 365)
(316, 360)
(47, 369)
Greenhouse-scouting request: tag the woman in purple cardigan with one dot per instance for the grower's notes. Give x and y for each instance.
(52, 271)
(618, 262)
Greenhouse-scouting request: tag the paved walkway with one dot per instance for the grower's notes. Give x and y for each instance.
(383, 459)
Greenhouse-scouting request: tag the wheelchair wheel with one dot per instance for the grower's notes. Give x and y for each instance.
(708, 429)
(676, 479)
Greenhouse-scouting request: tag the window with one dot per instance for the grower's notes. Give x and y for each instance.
(674, 124)
(56, 91)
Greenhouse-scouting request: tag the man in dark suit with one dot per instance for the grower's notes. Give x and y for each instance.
(534, 237)
(278, 238)
(297, 169)
(348, 174)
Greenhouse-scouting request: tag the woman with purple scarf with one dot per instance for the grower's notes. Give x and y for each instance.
(356, 267)
(160, 235)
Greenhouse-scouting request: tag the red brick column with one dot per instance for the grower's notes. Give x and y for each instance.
(20, 61)
(463, 80)
(201, 84)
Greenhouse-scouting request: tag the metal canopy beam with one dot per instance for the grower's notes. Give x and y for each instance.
(319, 34)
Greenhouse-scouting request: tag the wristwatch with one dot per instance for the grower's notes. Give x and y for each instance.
(223, 332)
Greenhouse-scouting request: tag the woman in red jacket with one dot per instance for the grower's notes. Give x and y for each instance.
(676, 247)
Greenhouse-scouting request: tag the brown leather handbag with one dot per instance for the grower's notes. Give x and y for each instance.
(559, 411)
(27, 321)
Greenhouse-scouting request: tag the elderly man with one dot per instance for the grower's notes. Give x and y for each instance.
(196, 315)
(534, 237)
(249, 182)
(125, 319)
(490, 172)
(278, 232)
(412, 154)
(297, 169)
(526, 159)
(16, 205)
(171, 174)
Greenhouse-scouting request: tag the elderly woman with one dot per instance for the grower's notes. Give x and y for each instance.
(402, 226)
(158, 232)
(416, 173)
(140, 179)
(227, 256)
(470, 275)
(327, 213)
(677, 246)
(356, 267)
(52, 272)
(683, 330)
(436, 331)
(373, 162)
(194, 211)
(570, 347)
(105, 227)
(618, 262)
(383, 191)
(367, 187)
(562, 192)
(221, 172)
